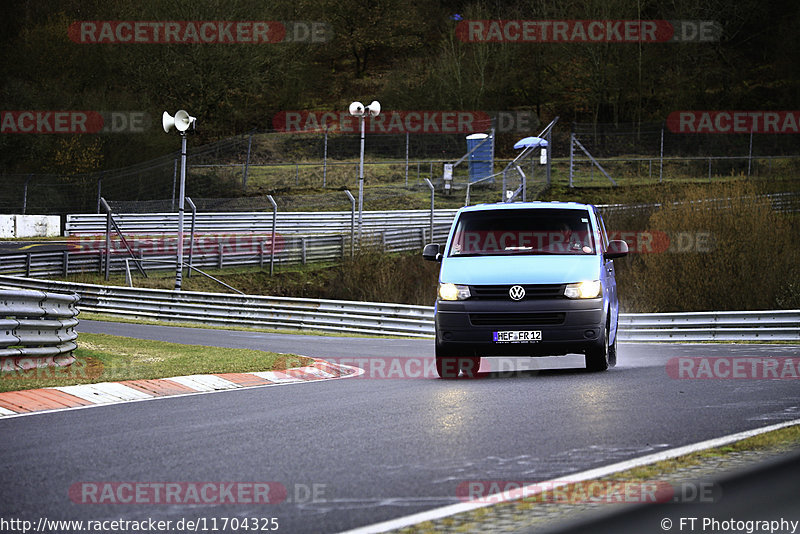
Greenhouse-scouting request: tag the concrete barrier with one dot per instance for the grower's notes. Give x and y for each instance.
(16, 226)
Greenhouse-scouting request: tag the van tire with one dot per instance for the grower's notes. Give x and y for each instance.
(597, 357)
(447, 367)
(612, 350)
(469, 366)
(446, 363)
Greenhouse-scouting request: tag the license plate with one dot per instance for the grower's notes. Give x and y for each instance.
(518, 336)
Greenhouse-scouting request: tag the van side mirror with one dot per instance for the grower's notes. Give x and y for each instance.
(431, 252)
(616, 249)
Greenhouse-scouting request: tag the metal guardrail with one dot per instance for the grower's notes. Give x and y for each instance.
(774, 325)
(214, 252)
(305, 223)
(37, 324)
(245, 310)
(393, 319)
(334, 222)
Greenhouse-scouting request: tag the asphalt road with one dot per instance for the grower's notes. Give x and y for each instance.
(372, 448)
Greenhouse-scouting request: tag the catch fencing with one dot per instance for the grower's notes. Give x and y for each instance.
(389, 319)
(36, 324)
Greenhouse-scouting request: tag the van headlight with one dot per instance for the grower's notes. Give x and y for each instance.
(588, 289)
(453, 292)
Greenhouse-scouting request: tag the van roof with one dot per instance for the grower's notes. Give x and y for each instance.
(528, 205)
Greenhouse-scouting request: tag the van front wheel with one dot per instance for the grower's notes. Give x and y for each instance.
(597, 357)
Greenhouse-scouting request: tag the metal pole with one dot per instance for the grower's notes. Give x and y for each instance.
(174, 180)
(325, 160)
(25, 195)
(407, 143)
(352, 223)
(361, 182)
(750, 156)
(272, 239)
(246, 171)
(661, 156)
(571, 154)
(108, 243)
(181, 195)
(99, 190)
(191, 235)
(549, 153)
(433, 190)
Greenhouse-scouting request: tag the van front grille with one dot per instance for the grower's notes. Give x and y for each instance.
(532, 291)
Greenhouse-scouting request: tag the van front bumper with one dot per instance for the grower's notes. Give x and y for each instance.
(467, 328)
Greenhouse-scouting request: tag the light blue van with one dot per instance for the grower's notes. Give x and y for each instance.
(526, 279)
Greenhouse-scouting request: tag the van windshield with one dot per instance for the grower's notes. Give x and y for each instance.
(523, 231)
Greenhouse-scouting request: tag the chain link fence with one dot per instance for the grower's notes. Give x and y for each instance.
(308, 171)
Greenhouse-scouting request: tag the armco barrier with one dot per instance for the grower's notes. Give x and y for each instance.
(39, 325)
(384, 318)
(338, 222)
(305, 223)
(86, 254)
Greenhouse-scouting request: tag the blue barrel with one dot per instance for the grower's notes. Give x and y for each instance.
(481, 162)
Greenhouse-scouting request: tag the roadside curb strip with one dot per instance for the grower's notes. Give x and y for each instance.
(26, 402)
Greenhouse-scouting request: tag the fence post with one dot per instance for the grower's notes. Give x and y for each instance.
(246, 169)
(352, 222)
(220, 254)
(325, 159)
(571, 154)
(272, 239)
(661, 156)
(433, 190)
(25, 194)
(99, 190)
(407, 142)
(750, 156)
(65, 261)
(28, 258)
(191, 234)
(303, 249)
(108, 243)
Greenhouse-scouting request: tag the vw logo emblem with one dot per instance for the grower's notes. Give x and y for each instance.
(516, 292)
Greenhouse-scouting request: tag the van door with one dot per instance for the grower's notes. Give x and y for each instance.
(609, 280)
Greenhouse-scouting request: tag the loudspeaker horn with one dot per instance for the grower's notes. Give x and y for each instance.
(167, 122)
(182, 121)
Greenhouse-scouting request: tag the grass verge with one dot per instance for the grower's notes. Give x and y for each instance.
(105, 358)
